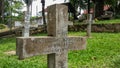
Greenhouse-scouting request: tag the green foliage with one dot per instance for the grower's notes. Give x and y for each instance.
(11, 8)
(2, 26)
(103, 51)
(16, 6)
(79, 3)
(114, 6)
(111, 2)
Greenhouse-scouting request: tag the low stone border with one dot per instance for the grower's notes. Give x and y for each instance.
(113, 28)
(96, 27)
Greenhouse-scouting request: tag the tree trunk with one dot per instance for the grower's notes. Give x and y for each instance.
(43, 15)
(117, 9)
(99, 6)
(2, 11)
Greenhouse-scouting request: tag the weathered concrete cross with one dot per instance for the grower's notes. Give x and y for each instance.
(57, 44)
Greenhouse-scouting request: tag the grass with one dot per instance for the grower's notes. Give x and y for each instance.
(103, 51)
(112, 21)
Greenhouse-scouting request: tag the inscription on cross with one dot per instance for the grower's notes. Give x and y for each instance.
(57, 44)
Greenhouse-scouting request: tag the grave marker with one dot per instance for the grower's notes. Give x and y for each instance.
(27, 19)
(57, 44)
(26, 26)
(89, 24)
(89, 20)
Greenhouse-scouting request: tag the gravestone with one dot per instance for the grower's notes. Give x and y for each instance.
(57, 44)
(89, 24)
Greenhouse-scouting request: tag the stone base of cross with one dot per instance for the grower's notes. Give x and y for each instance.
(57, 44)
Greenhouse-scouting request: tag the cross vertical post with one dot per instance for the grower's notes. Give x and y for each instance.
(26, 24)
(89, 20)
(26, 29)
(57, 27)
(89, 24)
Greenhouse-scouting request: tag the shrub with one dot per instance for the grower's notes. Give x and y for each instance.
(2, 26)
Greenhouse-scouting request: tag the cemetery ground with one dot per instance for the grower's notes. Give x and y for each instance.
(111, 21)
(103, 51)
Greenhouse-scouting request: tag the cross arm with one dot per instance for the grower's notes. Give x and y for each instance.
(76, 43)
(27, 47)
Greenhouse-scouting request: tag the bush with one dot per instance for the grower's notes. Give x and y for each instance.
(2, 26)
(117, 16)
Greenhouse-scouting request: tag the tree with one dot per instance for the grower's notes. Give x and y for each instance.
(1, 10)
(115, 5)
(10, 9)
(43, 14)
(74, 4)
(99, 4)
(82, 4)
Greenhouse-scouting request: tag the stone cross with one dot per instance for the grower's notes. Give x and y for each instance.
(27, 19)
(89, 24)
(26, 25)
(57, 44)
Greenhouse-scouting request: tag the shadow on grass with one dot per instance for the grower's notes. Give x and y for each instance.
(7, 40)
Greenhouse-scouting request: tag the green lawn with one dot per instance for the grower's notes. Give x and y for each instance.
(103, 51)
(112, 21)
